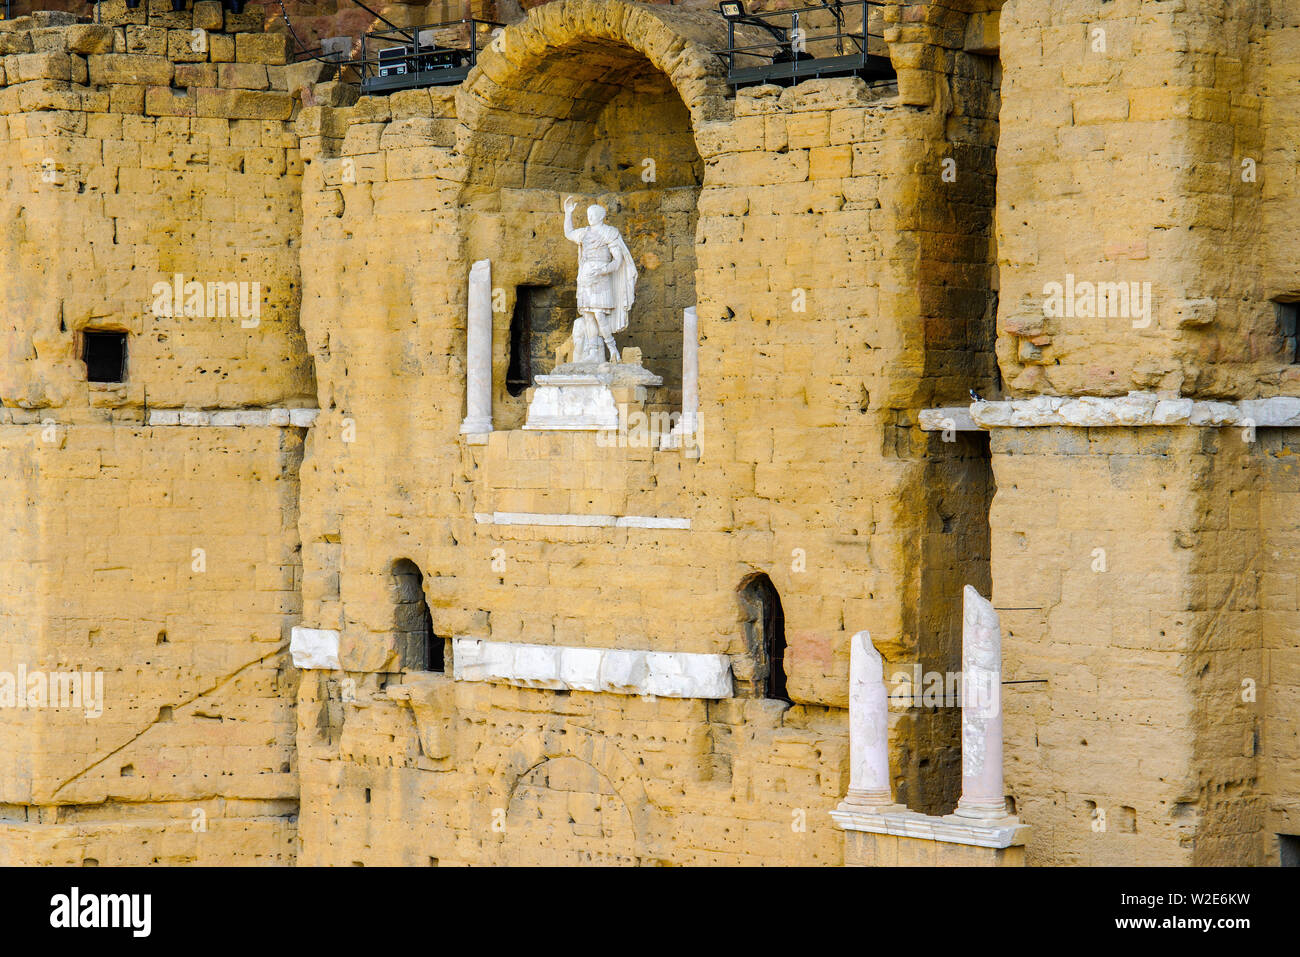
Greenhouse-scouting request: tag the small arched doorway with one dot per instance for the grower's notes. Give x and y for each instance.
(764, 624)
(419, 648)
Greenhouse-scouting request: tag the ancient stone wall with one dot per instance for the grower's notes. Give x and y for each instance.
(148, 147)
(1141, 145)
(806, 274)
(1276, 729)
(1129, 126)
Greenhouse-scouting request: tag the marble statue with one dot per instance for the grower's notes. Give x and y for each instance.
(606, 284)
(586, 392)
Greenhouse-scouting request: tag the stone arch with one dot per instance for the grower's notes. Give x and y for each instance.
(676, 42)
(577, 99)
(565, 812)
(534, 749)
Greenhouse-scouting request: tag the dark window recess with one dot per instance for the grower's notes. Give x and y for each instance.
(765, 632)
(1287, 314)
(530, 328)
(418, 647)
(1289, 850)
(105, 356)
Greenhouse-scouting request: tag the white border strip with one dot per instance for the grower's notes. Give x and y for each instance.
(293, 418)
(1134, 409)
(545, 520)
(664, 674)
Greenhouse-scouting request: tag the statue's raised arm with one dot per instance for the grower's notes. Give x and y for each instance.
(571, 234)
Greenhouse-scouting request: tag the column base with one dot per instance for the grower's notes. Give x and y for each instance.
(476, 430)
(881, 837)
(975, 812)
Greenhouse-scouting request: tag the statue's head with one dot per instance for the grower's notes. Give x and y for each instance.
(595, 215)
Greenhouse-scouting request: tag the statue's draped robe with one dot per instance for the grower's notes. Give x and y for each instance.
(614, 292)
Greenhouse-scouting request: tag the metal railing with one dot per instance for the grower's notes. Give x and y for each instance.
(830, 39)
(429, 55)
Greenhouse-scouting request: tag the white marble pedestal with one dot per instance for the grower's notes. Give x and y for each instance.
(585, 396)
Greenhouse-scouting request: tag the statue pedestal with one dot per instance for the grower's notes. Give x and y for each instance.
(585, 396)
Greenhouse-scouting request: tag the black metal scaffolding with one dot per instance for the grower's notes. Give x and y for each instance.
(787, 46)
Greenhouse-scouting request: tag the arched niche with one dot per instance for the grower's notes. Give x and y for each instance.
(603, 108)
(419, 646)
(763, 620)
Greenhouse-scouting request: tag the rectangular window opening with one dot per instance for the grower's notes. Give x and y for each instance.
(519, 373)
(1287, 315)
(105, 355)
(1288, 846)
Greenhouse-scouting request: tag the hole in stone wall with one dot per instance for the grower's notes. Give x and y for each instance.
(1287, 314)
(105, 355)
(533, 329)
(765, 636)
(1288, 846)
(418, 647)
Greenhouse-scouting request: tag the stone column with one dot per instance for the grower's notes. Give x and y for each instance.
(690, 371)
(682, 435)
(868, 728)
(982, 794)
(478, 355)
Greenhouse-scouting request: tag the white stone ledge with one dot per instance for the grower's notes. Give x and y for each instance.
(947, 419)
(546, 520)
(1134, 409)
(290, 418)
(664, 674)
(316, 648)
(1006, 833)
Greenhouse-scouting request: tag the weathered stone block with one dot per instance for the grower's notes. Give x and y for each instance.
(114, 68)
(244, 104)
(262, 48)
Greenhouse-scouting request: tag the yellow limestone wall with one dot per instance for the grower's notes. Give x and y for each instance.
(809, 446)
(1150, 606)
(165, 557)
(843, 282)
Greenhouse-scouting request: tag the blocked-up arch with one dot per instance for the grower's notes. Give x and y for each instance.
(562, 740)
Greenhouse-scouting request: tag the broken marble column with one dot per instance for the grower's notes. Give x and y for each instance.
(982, 796)
(682, 435)
(868, 728)
(478, 355)
(690, 371)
